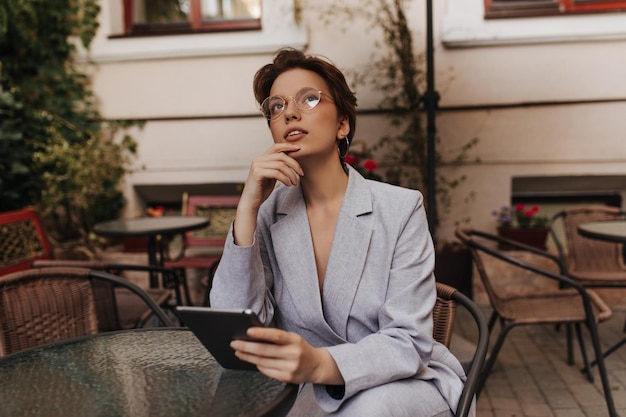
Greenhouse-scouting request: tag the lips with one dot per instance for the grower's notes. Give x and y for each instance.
(294, 134)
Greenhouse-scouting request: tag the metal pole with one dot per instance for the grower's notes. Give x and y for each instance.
(431, 102)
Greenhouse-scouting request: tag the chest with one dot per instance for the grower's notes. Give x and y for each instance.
(322, 224)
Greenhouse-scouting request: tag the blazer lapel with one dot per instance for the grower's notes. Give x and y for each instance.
(291, 237)
(348, 254)
(293, 246)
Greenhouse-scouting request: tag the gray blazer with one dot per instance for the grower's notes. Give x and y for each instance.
(374, 315)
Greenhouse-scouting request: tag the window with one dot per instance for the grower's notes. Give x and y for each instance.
(147, 17)
(527, 8)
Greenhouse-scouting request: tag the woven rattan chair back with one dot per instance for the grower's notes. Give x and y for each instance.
(38, 307)
(44, 305)
(202, 249)
(22, 242)
(444, 314)
(593, 262)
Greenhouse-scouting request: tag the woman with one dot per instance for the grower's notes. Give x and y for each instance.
(343, 266)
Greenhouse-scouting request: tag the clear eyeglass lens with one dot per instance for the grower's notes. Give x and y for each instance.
(305, 99)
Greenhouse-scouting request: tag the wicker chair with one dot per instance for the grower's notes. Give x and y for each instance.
(45, 305)
(201, 249)
(130, 312)
(24, 244)
(593, 263)
(567, 302)
(444, 313)
(23, 240)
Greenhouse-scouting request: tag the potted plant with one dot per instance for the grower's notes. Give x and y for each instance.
(522, 224)
(61, 155)
(362, 160)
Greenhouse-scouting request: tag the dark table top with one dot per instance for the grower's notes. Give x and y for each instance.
(610, 230)
(155, 373)
(150, 226)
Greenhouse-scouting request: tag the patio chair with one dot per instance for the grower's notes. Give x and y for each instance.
(45, 305)
(565, 302)
(130, 312)
(23, 240)
(201, 249)
(444, 313)
(591, 262)
(24, 244)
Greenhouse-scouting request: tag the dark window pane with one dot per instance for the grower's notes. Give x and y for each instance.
(161, 11)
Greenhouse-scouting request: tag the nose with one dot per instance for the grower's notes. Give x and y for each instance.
(291, 110)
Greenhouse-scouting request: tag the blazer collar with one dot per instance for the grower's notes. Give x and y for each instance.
(293, 246)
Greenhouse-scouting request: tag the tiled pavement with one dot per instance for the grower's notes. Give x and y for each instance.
(531, 377)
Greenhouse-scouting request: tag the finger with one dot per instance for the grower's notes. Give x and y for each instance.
(277, 170)
(272, 335)
(284, 149)
(285, 176)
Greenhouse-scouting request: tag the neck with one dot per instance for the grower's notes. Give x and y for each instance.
(324, 184)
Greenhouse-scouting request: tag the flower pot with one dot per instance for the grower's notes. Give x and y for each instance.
(535, 237)
(135, 244)
(453, 266)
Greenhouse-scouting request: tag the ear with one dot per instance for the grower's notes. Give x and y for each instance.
(344, 127)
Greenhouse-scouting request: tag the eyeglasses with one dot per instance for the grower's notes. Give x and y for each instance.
(306, 99)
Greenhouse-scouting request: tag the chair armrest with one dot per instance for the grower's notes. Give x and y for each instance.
(604, 312)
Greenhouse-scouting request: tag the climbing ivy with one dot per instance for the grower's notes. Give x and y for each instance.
(56, 151)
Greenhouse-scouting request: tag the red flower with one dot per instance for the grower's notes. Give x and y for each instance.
(156, 211)
(529, 214)
(519, 207)
(351, 159)
(370, 165)
(534, 209)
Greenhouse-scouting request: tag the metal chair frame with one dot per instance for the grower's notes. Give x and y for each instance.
(591, 262)
(570, 289)
(444, 313)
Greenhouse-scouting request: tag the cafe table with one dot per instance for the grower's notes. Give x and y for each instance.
(147, 372)
(150, 228)
(609, 230)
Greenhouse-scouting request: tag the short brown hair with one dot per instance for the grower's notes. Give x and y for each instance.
(289, 58)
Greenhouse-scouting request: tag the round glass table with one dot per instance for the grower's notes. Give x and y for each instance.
(147, 372)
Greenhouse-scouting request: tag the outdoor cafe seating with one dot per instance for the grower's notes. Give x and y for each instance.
(525, 287)
(44, 305)
(594, 263)
(24, 246)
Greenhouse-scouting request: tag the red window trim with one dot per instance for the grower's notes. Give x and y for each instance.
(194, 25)
(523, 8)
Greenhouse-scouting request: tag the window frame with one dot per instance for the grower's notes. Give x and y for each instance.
(537, 8)
(195, 24)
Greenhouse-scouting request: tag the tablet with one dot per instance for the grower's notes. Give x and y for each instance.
(216, 328)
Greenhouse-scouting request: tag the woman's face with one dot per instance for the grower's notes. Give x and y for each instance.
(315, 130)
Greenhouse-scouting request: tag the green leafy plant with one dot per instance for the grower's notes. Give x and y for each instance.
(398, 72)
(58, 154)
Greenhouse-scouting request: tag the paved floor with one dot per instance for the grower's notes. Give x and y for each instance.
(531, 377)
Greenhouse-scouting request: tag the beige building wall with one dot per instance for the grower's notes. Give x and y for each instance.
(544, 96)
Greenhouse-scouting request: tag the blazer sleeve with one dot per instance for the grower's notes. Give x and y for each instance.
(242, 281)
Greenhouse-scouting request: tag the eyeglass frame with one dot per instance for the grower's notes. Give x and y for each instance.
(284, 99)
